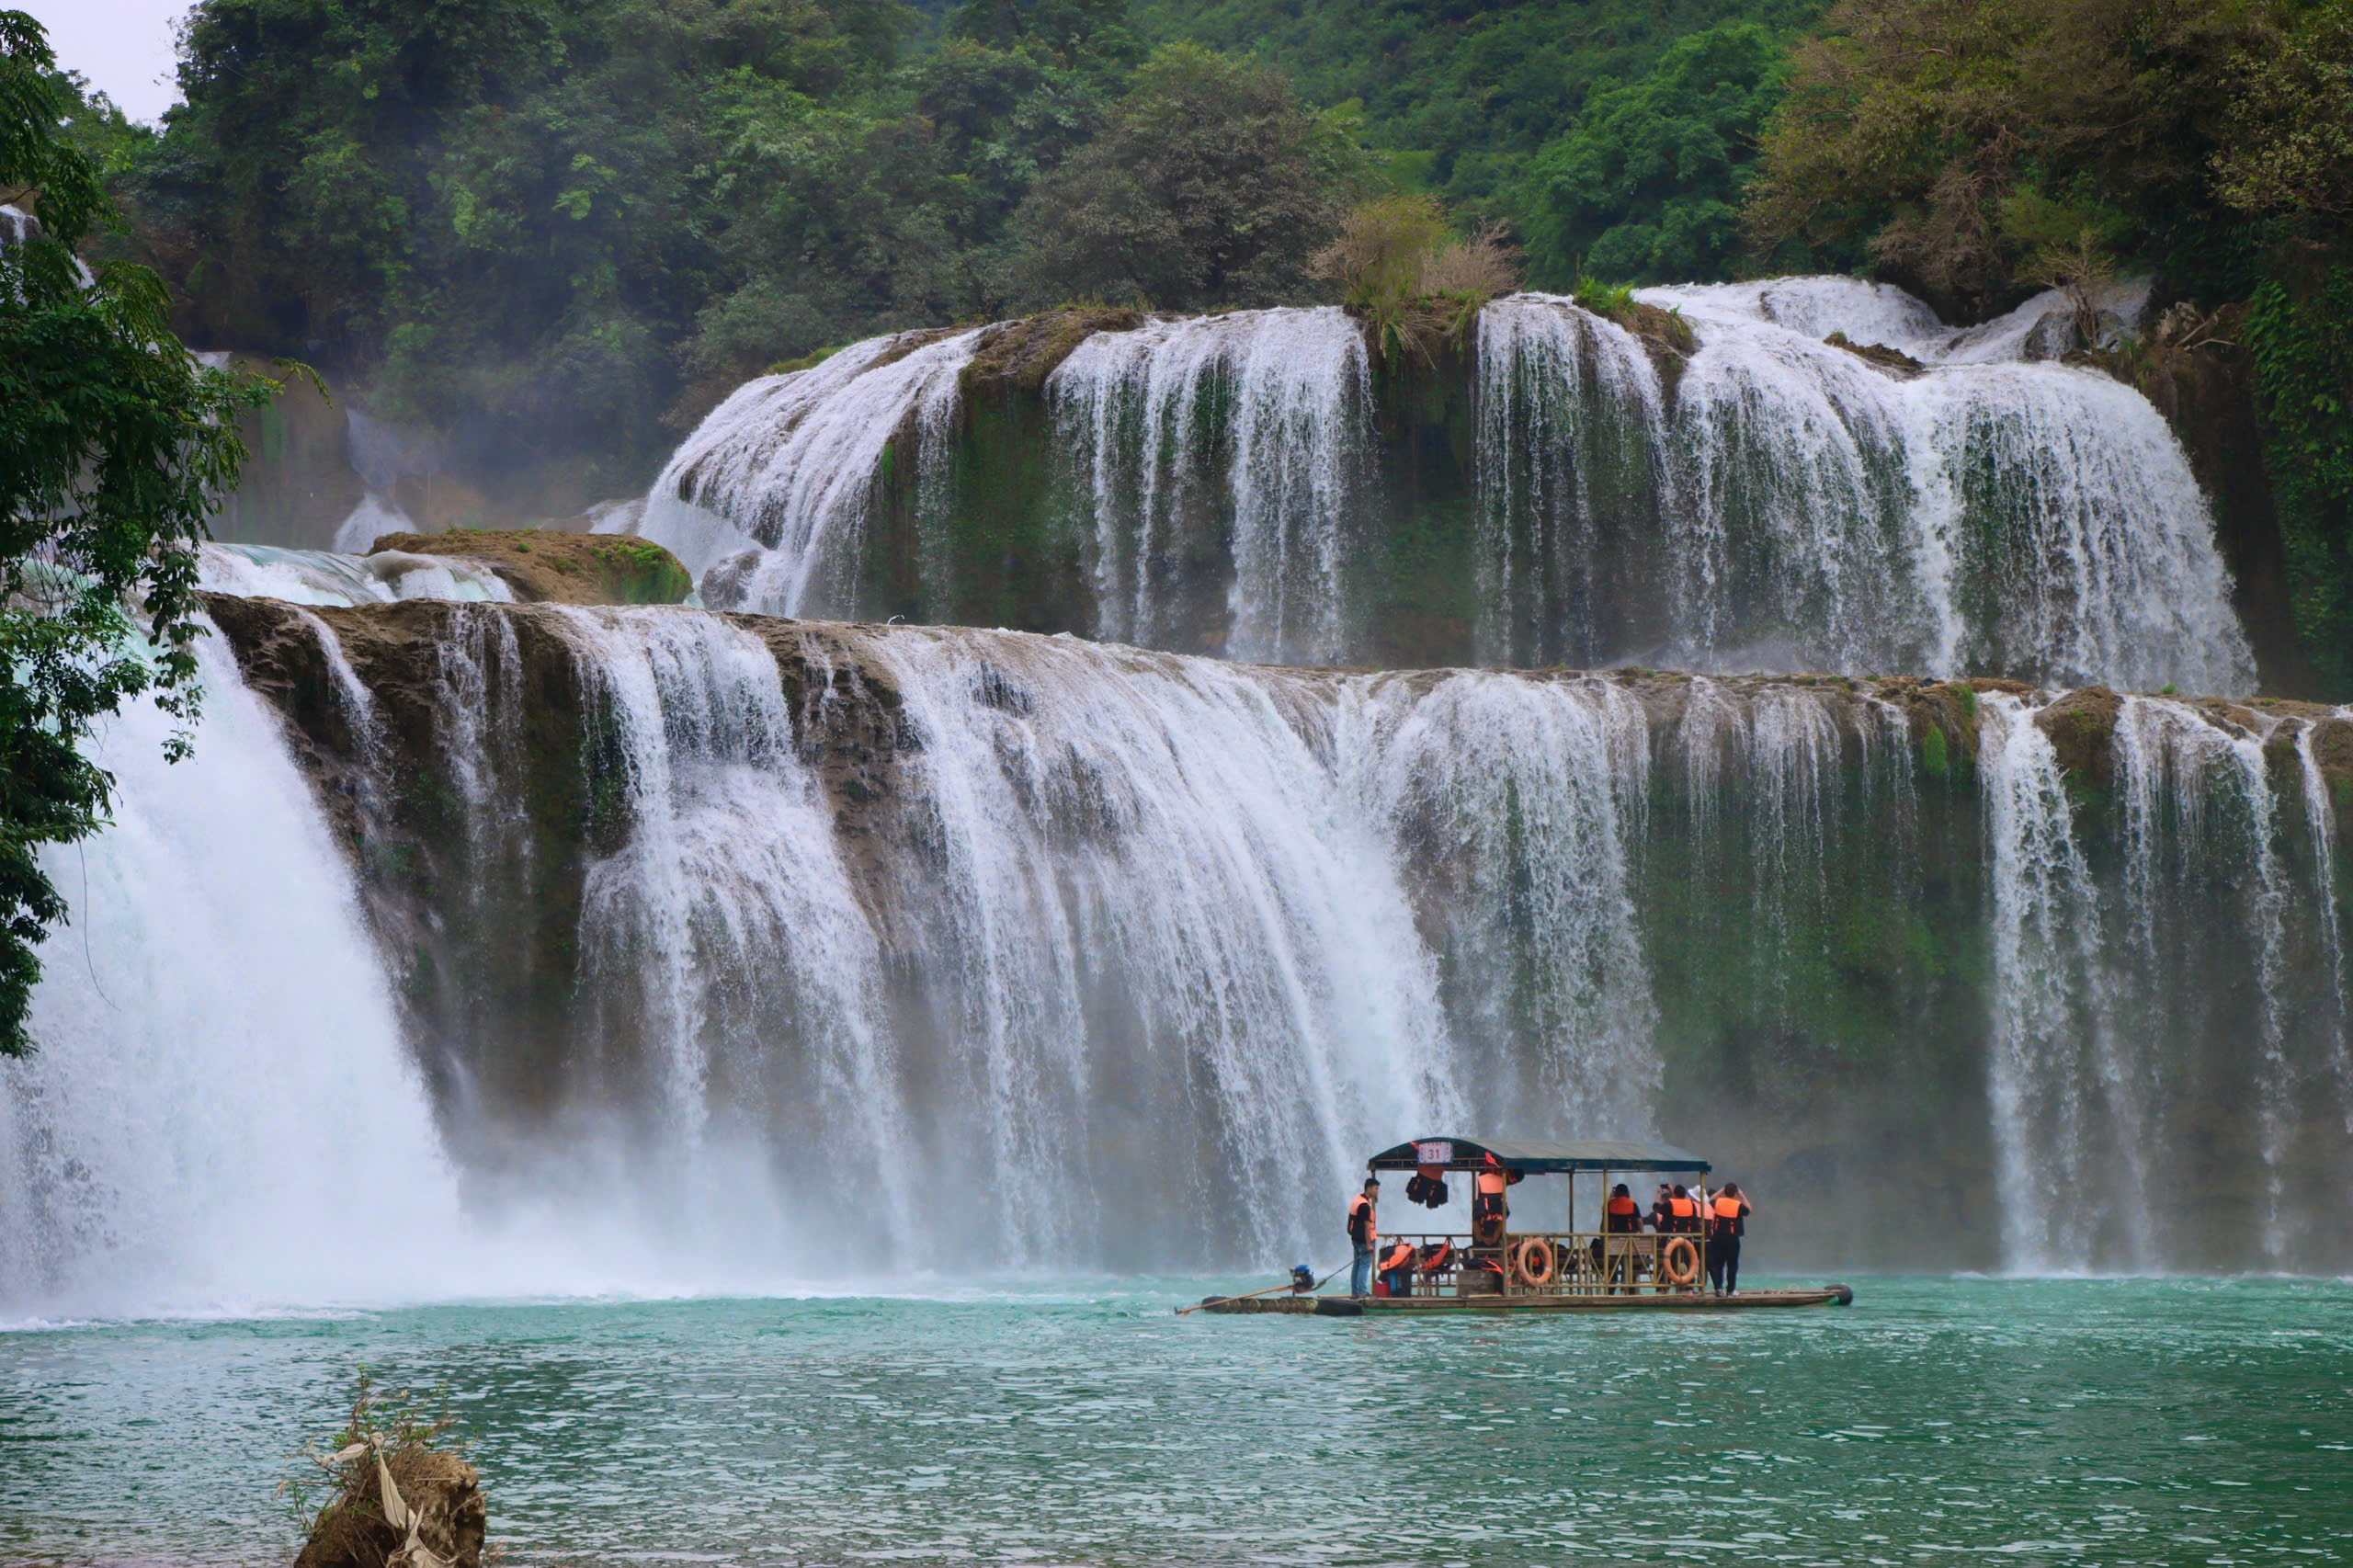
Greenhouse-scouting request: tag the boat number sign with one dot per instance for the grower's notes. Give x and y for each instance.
(1439, 1152)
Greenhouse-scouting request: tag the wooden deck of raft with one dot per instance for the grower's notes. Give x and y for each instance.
(1567, 1302)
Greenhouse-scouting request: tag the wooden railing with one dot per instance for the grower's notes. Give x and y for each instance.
(1584, 1262)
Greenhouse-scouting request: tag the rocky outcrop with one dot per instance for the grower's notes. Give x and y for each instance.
(1016, 357)
(551, 566)
(1892, 360)
(297, 483)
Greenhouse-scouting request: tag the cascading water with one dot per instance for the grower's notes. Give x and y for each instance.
(332, 577)
(1258, 484)
(1252, 426)
(2321, 844)
(722, 940)
(1572, 486)
(2054, 1023)
(1816, 510)
(222, 1113)
(2173, 990)
(777, 482)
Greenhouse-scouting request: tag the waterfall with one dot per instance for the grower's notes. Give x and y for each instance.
(1731, 495)
(778, 480)
(1570, 480)
(1529, 799)
(222, 1113)
(332, 577)
(2321, 837)
(2050, 1013)
(724, 947)
(2176, 990)
(1793, 505)
(730, 872)
(1256, 421)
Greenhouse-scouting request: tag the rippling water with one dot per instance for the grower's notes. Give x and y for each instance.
(2101, 1420)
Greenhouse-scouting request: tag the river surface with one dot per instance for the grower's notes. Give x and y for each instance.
(2096, 1421)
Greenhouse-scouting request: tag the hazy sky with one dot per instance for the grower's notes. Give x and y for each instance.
(122, 46)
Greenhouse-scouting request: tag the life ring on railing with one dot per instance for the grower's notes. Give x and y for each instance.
(1533, 1260)
(1680, 1262)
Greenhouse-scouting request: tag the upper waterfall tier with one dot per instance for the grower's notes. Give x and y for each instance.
(1738, 493)
(754, 932)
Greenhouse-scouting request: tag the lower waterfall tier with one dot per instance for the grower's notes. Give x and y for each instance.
(934, 948)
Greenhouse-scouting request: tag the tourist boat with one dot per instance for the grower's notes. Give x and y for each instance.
(1499, 1267)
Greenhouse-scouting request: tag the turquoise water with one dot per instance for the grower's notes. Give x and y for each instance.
(2094, 1421)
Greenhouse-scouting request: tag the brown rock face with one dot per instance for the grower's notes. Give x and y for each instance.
(544, 566)
(1019, 355)
(1894, 360)
(444, 1492)
(2081, 725)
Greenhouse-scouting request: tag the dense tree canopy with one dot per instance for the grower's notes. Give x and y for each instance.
(568, 228)
(113, 444)
(1486, 102)
(1646, 185)
(1207, 184)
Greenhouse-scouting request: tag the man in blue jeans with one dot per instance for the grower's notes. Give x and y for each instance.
(1363, 1231)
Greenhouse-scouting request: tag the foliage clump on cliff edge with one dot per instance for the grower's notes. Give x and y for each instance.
(1409, 278)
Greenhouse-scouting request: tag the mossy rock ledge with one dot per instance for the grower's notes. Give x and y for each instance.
(543, 566)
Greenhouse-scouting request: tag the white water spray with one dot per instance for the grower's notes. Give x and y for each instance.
(221, 1114)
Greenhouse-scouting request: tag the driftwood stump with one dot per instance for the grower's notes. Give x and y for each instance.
(443, 1491)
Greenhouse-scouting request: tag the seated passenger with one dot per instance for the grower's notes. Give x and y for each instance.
(1620, 1216)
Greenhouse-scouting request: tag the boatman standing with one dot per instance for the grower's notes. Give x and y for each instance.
(1728, 1212)
(1363, 1232)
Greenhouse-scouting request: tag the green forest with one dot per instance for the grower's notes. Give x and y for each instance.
(565, 230)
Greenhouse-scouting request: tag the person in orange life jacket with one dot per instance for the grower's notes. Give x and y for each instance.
(1363, 1233)
(1488, 1210)
(1684, 1210)
(1662, 1214)
(1620, 1216)
(1728, 1212)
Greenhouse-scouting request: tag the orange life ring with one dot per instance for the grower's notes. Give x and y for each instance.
(1686, 1272)
(1534, 1261)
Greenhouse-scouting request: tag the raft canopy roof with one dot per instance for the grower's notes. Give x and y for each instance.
(1540, 1156)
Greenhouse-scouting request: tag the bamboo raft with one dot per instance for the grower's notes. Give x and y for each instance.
(1562, 1301)
(1499, 1268)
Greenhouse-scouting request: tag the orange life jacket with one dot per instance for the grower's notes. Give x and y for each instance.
(1399, 1256)
(1682, 1208)
(1622, 1207)
(1491, 1183)
(1361, 1203)
(1728, 1211)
